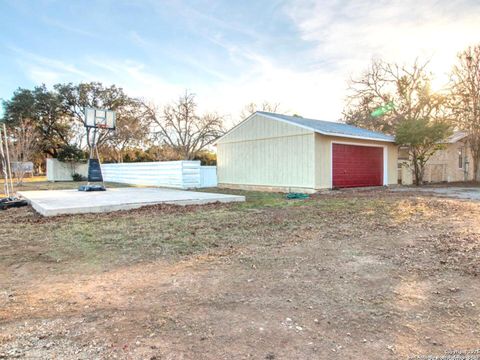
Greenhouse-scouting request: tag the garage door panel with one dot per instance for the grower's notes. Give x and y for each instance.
(355, 166)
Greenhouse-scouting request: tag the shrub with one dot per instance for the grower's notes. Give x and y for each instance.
(78, 177)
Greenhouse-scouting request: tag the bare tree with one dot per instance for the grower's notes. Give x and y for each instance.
(24, 146)
(179, 126)
(252, 107)
(398, 100)
(466, 100)
(388, 93)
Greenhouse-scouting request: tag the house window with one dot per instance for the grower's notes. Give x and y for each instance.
(460, 158)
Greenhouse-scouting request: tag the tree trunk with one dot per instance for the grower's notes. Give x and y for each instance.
(476, 161)
(475, 150)
(421, 174)
(416, 170)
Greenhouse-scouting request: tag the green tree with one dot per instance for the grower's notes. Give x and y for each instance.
(71, 154)
(422, 138)
(42, 109)
(76, 97)
(132, 122)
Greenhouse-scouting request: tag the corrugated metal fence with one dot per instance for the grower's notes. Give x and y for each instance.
(176, 174)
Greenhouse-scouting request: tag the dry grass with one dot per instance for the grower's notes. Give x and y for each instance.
(365, 274)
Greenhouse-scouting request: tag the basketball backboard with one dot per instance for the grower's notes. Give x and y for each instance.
(100, 118)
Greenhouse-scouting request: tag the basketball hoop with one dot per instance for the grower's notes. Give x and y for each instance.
(94, 120)
(100, 118)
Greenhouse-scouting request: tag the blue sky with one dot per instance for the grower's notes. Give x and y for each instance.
(299, 53)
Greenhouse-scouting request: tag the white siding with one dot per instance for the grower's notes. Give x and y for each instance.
(265, 152)
(259, 127)
(60, 171)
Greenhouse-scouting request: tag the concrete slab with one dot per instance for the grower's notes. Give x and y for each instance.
(59, 202)
(468, 193)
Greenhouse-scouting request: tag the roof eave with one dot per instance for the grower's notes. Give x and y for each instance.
(301, 126)
(326, 133)
(354, 137)
(456, 139)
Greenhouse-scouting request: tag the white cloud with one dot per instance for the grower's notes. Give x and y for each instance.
(311, 94)
(338, 38)
(43, 76)
(348, 34)
(128, 74)
(135, 78)
(342, 38)
(65, 27)
(41, 69)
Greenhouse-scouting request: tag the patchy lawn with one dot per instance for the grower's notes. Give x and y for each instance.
(354, 274)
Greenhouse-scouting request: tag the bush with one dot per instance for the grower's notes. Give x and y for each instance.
(207, 158)
(78, 177)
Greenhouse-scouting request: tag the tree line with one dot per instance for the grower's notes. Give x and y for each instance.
(399, 100)
(46, 122)
(391, 98)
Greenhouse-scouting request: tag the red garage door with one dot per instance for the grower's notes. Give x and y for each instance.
(355, 166)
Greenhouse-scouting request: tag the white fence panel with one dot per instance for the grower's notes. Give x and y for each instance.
(208, 176)
(60, 171)
(191, 174)
(176, 174)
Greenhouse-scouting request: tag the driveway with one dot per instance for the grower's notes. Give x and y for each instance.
(469, 193)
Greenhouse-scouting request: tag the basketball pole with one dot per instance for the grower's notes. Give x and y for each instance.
(94, 151)
(6, 187)
(92, 146)
(95, 121)
(101, 172)
(8, 158)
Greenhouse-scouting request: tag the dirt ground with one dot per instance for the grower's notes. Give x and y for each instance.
(344, 275)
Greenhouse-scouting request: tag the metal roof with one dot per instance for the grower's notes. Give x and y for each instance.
(456, 136)
(329, 127)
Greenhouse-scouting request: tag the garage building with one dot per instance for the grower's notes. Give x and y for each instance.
(269, 151)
